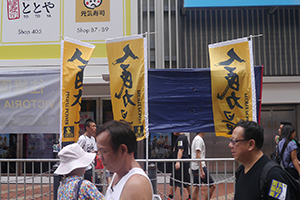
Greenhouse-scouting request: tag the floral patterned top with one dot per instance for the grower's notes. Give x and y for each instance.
(87, 190)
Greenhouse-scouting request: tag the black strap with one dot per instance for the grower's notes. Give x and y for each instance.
(77, 189)
(263, 177)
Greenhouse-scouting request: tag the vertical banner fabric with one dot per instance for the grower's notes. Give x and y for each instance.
(127, 58)
(75, 56)
(232, 83)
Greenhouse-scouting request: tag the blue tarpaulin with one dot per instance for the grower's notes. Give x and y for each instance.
(180, 99)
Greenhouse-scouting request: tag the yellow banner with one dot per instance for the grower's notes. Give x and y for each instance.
(232, 83)
(128, 79)
(75, 56)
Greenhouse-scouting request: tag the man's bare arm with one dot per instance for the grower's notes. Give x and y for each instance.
(179, 156)
(198, 155)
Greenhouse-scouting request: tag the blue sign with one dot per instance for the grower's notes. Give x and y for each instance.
(239, 3)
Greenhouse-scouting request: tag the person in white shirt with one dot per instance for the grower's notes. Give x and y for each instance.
(116, 144)
(198, 151)
(88, 143)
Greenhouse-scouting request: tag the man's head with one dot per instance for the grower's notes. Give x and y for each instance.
(246, 137)
(282, 124)
(119, 133)
(115, 140)
(177, 133)
(201, 134)
(90, 127)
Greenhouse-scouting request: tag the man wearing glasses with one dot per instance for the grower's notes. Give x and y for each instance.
(245, 143)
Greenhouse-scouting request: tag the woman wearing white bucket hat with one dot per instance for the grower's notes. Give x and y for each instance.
(73, 161)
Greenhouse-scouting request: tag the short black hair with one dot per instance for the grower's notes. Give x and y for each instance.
(286, 123)
(88, 122)
(120, 133)
(252, 130)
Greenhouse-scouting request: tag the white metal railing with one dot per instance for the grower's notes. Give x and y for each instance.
(34, 178)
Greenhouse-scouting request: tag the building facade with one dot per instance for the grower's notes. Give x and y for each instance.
(178, 37)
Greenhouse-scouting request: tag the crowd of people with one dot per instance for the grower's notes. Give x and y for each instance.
(114, 143)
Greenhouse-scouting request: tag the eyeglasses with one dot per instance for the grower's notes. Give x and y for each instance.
(233, 141)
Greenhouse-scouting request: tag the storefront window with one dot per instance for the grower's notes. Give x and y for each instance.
(4, 146)
(107, 111)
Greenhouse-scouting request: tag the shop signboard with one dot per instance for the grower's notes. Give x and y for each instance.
(238, 3)
(33, 29)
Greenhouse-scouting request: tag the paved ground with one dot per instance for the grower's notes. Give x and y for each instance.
(37, 192)
(29, 191)
(221, 190)
(34, 192)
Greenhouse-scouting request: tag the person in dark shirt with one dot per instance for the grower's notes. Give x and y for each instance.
(180, 151)
(245, 143)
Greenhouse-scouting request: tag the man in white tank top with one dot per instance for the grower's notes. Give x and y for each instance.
(116, 143)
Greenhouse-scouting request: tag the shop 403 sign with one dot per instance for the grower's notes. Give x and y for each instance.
(28, 32)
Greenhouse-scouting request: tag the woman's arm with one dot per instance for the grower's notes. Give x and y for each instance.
(295, 160)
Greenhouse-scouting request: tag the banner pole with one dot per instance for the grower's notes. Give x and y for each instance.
(60, 93)
(146, 100)
(253, 36)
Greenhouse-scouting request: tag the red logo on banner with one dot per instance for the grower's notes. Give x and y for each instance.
(13, 9)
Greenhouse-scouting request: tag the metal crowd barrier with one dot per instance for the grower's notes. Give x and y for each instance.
(34, 178)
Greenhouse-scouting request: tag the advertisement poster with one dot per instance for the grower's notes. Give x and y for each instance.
(161, 146)
(4, 145)
(29, 101)
(40, 145)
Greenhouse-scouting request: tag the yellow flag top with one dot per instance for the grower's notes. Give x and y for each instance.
(128, 82)
(232, 83)
(75, 56)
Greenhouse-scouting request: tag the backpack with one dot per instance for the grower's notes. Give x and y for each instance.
(278, 156)
(293, 184)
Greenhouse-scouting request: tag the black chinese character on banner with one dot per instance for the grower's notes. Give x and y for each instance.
(127, 81)
(233, 83)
